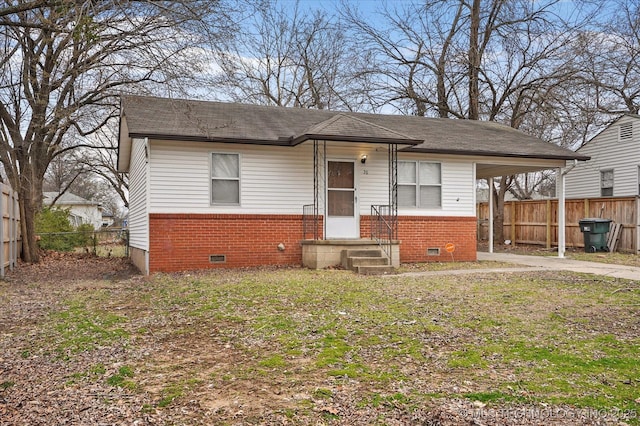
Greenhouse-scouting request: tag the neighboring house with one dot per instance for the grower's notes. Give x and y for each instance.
(614, 168)
(107, 218)
(81, 211)
(232, 185)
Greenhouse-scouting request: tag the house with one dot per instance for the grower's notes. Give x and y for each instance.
(107, 218)
(614, 168)
(231, 185)
(81, 211)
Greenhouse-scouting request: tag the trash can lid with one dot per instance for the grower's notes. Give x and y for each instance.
(594, 219)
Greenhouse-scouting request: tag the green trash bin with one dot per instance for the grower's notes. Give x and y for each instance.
(595, 234)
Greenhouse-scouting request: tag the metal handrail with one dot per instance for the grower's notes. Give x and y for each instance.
(383, 229)
(310, 220)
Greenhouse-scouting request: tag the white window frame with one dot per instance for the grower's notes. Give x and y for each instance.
(212, 178)
(418, 184)
(602, 188)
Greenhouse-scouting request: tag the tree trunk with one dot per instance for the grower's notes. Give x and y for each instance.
(474, 62)
(30, 202)
(498, 210)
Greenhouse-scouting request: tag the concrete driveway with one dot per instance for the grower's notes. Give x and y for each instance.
(554, 263)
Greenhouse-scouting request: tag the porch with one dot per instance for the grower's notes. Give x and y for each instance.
(320, 254)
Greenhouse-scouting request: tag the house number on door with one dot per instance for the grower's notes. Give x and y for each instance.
(365, 172)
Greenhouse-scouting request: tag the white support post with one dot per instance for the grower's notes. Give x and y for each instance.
(490, 215)
(561, 213)
(638, 225)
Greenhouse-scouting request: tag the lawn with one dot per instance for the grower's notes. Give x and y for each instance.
(295, 346)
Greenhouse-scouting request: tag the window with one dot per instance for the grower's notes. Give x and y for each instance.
(419, 184)
(225, 178)
(625, 132)
(606, 183)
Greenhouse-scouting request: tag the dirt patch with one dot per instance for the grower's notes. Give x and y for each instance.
(56, 266)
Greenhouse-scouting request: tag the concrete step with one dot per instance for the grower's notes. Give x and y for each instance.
(363, 253)
(353, 262)
(375, 270)
(345, 255)
(368, 262)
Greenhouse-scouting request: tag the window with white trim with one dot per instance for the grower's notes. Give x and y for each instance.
(225, 178)
(419, 184)
(606, 183)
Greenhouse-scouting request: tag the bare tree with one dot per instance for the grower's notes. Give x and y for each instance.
(610, 53)
(507, 61)
(100, 161)
(290, 58)
(64, 64)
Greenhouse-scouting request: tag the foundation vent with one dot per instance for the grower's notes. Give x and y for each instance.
(433, 252)
(217, 258)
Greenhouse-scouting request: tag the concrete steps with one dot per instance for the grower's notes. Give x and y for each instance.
(366, 261)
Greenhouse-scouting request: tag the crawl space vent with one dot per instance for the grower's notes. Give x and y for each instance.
(217, 258)
(433, 252)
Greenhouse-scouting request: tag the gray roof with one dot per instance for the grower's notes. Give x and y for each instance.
(66, 199)
(190, 120)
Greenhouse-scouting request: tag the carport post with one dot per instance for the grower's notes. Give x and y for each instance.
(561, 212)
(491, 215)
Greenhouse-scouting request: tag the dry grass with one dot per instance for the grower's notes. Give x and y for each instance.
(321, 347)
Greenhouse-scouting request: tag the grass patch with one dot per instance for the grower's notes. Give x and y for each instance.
(6, 385)
(176, 390)
(121, 378)
(610, 258)
(450, 266)
(311, 340)
(81, 328)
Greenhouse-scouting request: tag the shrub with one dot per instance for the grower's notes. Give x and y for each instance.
(85, 235)
(56, 221)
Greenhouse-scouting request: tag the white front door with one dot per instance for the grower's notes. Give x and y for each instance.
(342, 209)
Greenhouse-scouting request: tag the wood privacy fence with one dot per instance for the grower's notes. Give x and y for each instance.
(9, 229)
(536, 221)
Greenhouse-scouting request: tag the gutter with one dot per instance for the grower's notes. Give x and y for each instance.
(566, 170)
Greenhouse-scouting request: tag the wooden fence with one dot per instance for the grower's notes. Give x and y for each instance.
(536, 221)
(9, 229)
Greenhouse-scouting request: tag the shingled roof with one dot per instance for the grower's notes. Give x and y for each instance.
(190, 120)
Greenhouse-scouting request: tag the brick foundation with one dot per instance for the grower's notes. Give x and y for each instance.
(419, 233)
(181, 242)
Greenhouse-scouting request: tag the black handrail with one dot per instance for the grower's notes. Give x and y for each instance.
(310, 221)
(383, 228)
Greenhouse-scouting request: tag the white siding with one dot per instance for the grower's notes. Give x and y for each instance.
(138, 211)
(608, 153)
(273, 180)
(458, 187)
(279, 180)
(86, 214)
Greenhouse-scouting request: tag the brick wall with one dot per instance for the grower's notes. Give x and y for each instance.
(419, 233)
(185, 241)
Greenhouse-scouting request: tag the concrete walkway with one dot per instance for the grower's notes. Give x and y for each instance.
(538, 263)
(555, 263)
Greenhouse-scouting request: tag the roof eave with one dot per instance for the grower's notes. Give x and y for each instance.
(291, 141)
(358, 139)
(578, 157)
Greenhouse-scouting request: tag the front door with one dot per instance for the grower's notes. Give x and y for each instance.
(342, 209)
